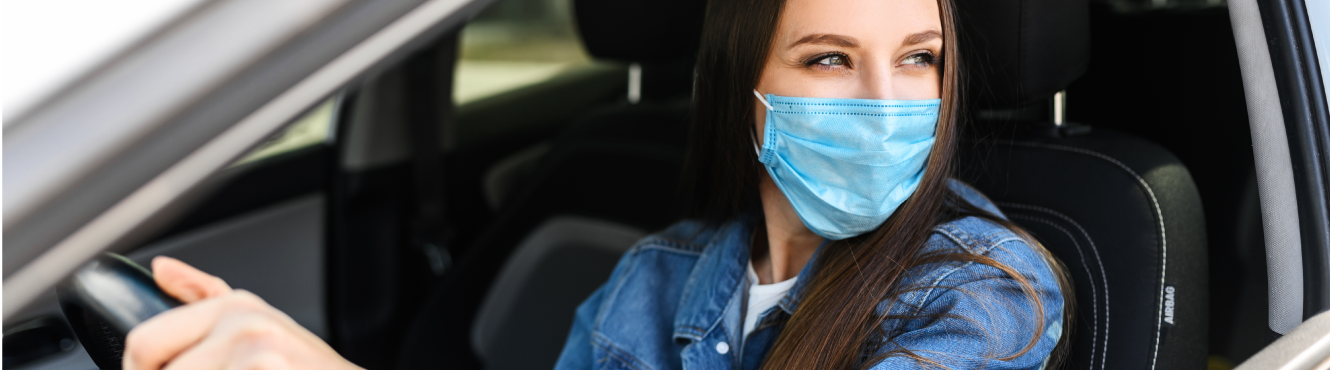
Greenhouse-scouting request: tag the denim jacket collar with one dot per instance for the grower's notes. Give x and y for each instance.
(720, 274)
(716, 277)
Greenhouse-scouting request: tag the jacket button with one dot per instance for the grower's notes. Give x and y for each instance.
(722, 348)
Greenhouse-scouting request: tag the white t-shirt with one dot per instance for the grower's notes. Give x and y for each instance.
(762, 297)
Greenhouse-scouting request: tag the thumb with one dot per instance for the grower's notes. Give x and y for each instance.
(185, 282)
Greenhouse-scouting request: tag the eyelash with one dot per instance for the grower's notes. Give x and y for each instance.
(815, 61)
(929, 59)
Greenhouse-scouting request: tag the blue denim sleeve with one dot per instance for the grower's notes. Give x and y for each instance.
(973, 319)
(577, 348)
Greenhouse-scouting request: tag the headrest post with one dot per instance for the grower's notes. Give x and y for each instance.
(1060, 108)
(634, 82)
(1030, 49)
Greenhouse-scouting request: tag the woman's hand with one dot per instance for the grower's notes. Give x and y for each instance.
(221, 328)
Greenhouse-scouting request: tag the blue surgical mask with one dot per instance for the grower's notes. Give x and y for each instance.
(846, 164)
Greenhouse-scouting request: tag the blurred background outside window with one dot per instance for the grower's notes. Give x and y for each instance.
(516, 43)
(510, 45)
(310, 129)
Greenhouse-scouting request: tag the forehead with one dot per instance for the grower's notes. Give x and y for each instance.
(869, 21)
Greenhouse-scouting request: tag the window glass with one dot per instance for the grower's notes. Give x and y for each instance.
(516, 43)
(1318, 14)
(310, 129)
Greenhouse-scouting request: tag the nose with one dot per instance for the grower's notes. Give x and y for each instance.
(876, 82)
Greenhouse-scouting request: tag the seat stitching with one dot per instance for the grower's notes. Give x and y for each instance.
(1093, 291)
(1159, 215)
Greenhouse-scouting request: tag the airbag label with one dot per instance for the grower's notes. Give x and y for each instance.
(1168, 304)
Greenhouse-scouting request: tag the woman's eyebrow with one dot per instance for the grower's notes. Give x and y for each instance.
(827, 39)
(922, 37)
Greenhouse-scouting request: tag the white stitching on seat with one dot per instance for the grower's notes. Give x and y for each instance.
(1163, 239)
(1093, 292)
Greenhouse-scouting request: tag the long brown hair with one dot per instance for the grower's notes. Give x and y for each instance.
(834, 327)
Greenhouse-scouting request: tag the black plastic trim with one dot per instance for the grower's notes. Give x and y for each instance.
(1307, 122)
(256, 185)
(379, 218)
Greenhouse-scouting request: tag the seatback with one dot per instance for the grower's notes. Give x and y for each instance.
(1121, 213)
(615, 172)
(1203, 100)
(608, 178)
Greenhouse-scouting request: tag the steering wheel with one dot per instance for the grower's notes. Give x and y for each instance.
(106, 298)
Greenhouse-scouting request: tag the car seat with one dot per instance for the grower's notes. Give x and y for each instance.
(1202, 118)
(1122, 213)
(552, 243)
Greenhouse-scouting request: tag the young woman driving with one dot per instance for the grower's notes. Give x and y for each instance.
(827, 231)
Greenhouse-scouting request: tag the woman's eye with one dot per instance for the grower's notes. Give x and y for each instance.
(832, 60)
(921, 59)
(829, 61)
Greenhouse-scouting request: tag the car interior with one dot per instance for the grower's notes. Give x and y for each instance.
(427, 229)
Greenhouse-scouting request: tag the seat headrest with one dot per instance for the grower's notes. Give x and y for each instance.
(640, 30)
(1018, 52)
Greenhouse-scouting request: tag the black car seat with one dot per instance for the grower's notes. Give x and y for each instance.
(609, 178)
(1201, 117)
(1122, 213)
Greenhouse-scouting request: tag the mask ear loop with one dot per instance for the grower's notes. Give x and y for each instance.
(752, 130)
(752, 135)
(763, 100)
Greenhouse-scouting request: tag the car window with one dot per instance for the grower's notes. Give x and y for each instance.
(1318, 14)
(311, 129)
(516, 43)
(510, 45)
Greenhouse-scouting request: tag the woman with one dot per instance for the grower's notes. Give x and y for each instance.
(827, 232)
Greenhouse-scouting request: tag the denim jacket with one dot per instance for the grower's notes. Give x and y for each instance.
(675, 301)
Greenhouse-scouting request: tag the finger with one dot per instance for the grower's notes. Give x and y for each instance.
(259, 351)
(261, 361)
(185, 282)
(156, 341)
(237, 339)
(292, 327)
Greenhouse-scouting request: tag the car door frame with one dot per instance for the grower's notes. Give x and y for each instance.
(1291, 139)
(68, 203)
